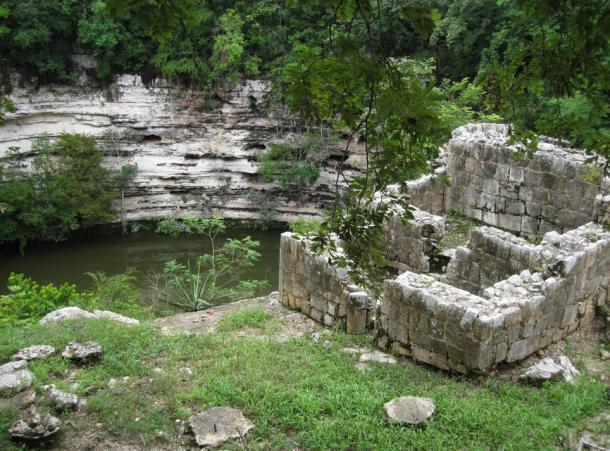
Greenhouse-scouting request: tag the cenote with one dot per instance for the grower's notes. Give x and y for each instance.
(146, 252)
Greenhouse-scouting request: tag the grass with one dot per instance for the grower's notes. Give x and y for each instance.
(255, 317)
(457, 229)
(296, 392)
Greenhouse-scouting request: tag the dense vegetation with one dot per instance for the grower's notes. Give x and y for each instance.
(65, 189)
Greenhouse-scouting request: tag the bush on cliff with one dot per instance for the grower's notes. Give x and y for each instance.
(65, 189)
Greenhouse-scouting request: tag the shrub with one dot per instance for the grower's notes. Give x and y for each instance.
(28, 301)
(118, 293)
(305, 226)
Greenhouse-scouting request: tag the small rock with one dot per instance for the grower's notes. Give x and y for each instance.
(316, 336)
(353, 351)
(409, 410)
(547, 369)
(217, 425)
(327, 344)
(569, 372)
(82, 352)
(34, 427)
(35, 352)
(66, 314)
(158, 370)
(115, 317)
(377, 356)
(605, 355)
(61, 400)
(15, 376)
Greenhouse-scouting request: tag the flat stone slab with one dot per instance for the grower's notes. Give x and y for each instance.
(15, 376)
(82, 352)
(410, 410)
(218, 425)
(547, 369)
(35, 427)
(35, 352)
(377, 356)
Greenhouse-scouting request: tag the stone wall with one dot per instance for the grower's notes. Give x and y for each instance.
(531, 196)
(453, 329)
(310, 284)
(411, 246)
(195, 152)
(490, 255)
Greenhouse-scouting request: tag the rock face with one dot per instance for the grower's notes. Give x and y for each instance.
(219, 424)
(82, 352)
(192, 151)
(15, 376)
(35, 427)
(35, 352)
(409, 410)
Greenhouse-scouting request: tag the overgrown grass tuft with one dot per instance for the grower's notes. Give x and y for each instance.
(255, 317)
(297, 393)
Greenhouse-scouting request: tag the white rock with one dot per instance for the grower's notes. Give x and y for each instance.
(116, 317)
(409, 410)
(219, 424)
(14, 376)
(377, 356)
(35, 426)
(87, 351)
(547, 369)
(61, 400)
(569, 371)
(66, 314)
(35, 352)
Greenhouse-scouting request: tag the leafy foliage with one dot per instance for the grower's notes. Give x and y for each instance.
(212, 278)
(28, 301)
(118, 293)
(66, 189)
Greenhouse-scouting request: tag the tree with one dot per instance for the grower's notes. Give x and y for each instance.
(66, 189)
(228, 49)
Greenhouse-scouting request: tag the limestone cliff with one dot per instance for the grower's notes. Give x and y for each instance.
(194, 152)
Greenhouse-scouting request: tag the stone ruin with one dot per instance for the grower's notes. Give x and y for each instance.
(532, 274)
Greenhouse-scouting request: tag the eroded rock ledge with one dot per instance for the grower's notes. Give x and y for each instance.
(193, 150)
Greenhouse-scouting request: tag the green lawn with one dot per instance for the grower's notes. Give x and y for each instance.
(295, 392)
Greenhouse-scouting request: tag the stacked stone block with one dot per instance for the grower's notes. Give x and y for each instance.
(452, 329)
(411, 245)
(310, 284)
(549, 191)
(490, 256)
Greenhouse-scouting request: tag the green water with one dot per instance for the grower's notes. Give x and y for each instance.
(145, 251)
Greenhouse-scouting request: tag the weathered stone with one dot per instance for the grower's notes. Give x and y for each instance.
(20, 400)
(35, 427)
(378, 357)
(569, 371)
(61, 400)
(66, 314)
(115, 317)
(409, 410)
(217, 425)
(15, 376)
(82, 352)
(547, 369)
(35, 352)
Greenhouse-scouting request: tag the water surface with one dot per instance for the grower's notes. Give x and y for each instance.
(69, 261)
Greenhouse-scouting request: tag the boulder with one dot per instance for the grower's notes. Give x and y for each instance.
(35, 427)
(409, 410)
(82, 352)
(217, 425)
(15, 376)
(116, 317)
(66, 314)
(72, 313)
(61, 400)
(547, 369)
(35, 352)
